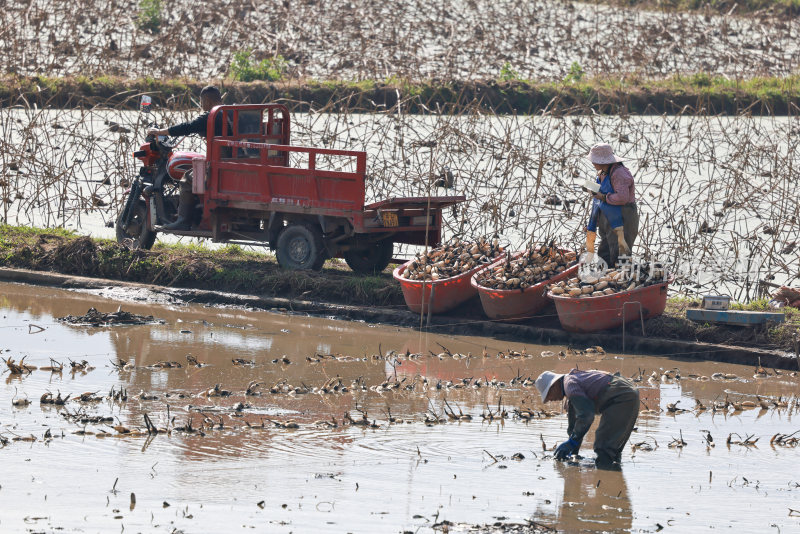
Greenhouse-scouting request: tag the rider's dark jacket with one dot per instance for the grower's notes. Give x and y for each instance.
(198, 126)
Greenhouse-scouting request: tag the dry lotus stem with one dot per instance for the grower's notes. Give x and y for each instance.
(535, 265)
(452, 259)
(610, 282)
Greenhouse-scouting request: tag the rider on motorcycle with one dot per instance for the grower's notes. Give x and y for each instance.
(209, 97)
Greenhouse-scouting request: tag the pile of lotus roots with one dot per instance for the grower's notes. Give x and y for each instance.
(533, 266)
(454, 258)
(610, 282)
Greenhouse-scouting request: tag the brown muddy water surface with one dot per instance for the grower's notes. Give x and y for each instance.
(403, 476)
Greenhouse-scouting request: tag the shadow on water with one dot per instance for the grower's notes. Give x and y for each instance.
(593, 499)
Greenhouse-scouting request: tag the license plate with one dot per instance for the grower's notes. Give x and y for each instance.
(389, 219)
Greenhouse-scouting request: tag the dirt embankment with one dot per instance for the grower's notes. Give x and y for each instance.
(230, 269)
(234, 270)
(751, 8)
(695, 94)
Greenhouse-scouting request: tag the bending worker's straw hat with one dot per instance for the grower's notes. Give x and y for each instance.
(602, 154)
(545, 382)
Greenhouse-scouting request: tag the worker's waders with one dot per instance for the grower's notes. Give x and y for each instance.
(618, 406)
(608, 249)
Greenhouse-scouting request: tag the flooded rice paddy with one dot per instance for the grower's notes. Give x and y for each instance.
(296, 456)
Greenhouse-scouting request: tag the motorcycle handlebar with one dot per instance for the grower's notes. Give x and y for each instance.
(157, 145)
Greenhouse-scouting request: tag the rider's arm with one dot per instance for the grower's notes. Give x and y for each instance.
(198, 127)
(157, 131)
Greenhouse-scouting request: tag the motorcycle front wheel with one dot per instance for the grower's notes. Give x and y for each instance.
(136, 235)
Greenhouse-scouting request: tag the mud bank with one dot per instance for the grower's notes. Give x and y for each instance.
(465, 323)
(753, 8)
(700, 94)
(234, 276)
(230, 269)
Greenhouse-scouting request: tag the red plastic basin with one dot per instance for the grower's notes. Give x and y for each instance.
(440, 295)
(591, 314)
(518, 305)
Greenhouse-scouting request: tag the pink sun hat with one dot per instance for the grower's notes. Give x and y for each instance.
(602, 154)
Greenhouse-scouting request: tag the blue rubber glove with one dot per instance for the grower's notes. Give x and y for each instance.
(566, 449)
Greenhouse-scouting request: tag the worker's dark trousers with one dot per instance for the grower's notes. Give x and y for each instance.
(618, 406)
(186, 199)
(609, 248)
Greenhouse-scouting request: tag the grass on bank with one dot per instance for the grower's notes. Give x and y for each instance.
(781, 7)
(150, 15)
(507, 93)
(245, 68)
(576, 80)
(10, 233)
(758, 88)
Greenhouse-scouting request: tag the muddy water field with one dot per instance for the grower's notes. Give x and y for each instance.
(146, 415)
(360, 39)
(222, 419)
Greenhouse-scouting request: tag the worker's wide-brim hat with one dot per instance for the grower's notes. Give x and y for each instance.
(545, 382)
(602, 154)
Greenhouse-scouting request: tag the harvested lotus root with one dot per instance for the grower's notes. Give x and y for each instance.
(453, 258)
(533, 266)
(609, 282)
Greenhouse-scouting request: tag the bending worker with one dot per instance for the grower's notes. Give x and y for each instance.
(209, 98)
(615, 214)
(615, 398)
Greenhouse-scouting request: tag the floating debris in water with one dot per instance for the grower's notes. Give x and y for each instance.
(18, 368)
(119, 317)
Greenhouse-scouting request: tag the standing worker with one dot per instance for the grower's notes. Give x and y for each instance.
(617, 191)
(615, 398)
(210, 97)
(612, 217)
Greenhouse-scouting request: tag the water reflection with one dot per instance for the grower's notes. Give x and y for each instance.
(593, 500)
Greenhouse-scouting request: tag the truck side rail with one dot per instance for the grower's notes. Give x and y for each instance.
(279, 126)
(247, 180)
(361, 157)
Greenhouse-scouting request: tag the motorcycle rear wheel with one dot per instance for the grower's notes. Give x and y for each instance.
(137, 235)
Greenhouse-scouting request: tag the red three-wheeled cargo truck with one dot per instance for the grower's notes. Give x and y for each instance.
(247, 191)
